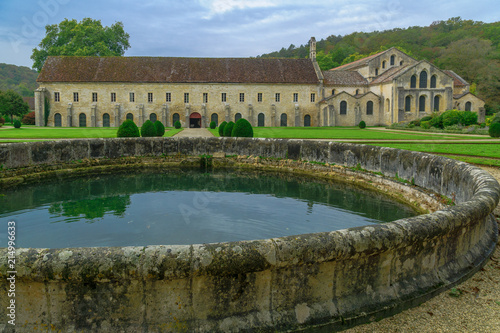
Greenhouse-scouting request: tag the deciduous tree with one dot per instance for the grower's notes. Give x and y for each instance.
(12, 104)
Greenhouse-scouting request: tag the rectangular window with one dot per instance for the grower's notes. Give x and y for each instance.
(242, 97)
(277, 97)
(150, 97)
(186, 98)
(168, 97)
(295, 97)
(132, 97)
(259, 97)
(113, 97)
(57, 97)
(94, 97)
(205, 98)
(75, 97)
(223, 97)
(313, 97)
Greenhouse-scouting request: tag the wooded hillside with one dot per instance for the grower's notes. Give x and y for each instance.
(469, 48)
(20, 79)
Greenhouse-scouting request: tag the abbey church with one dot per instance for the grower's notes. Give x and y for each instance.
(381, 89)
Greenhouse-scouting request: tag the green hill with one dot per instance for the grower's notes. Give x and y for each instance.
(20, 79)
(470, 48)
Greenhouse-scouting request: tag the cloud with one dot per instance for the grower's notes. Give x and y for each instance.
(217, 7)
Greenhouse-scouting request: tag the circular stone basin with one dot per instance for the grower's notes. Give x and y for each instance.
(187, 207)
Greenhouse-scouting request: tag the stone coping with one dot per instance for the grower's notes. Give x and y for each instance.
(316, 281)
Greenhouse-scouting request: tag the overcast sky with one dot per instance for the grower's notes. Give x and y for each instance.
(223, 28)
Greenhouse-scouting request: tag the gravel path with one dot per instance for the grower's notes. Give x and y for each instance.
(473, 306)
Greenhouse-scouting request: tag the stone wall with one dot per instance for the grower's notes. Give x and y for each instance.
(324, 281)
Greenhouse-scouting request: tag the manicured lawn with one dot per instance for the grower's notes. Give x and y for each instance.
(344, 133)
(476, 153)
(65, 132)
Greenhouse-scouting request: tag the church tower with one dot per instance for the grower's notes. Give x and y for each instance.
(312, 49)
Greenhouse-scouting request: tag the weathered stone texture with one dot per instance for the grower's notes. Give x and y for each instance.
(327, 280)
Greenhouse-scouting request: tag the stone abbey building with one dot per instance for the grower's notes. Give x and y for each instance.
(381, 89)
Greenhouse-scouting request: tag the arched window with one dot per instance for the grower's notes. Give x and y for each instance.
(307, 120)
(57, 120)
(215, 118)
(393, 59)
(283, 120)
(408, 103)
(433, 81)
(383, 64)
(260, 120)
(105, 120)
(388, 105)
(237, 117)
(413, 81)
(153, 117)
(376, 71)
(333, 91)
(421, 103)
(401, 63)
(175, 118)
(423, 80)
(357, 91)
(436, 103)
(343, 107)
(130, 116)
(369, 108)
(468, 106)
(82, 120)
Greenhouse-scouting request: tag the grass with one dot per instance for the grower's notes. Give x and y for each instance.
(344, 133)
(65, 132)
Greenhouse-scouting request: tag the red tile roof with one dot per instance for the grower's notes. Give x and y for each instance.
(457, 80)
(177, 70)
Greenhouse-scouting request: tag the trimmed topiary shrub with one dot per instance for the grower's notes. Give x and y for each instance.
(148, 129)
(494, 130)
(221, 128)
(177, 124)
(213, 125)
(29, 119)
(362, 124)
(128, 129)
(228, 129)
(17, 124)
(159, 128)
(242, 129)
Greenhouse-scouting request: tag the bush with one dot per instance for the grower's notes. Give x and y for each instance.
(426, 118)
(425, 124)
(228, 129)
(159, 128)
(177, 124)
(362, 124)
(213, 125)
(436, 122)
(468, 118)
(494, 130)
(221, 128)
(451, 117)
(17, 124)
(242, 129)
(128, 129)
(29, 119)
(148, 129)
(414, 123)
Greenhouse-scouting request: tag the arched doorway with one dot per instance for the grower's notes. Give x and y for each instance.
(57, 120)
(307, 120)
(105, 120)
(82, 120)
(153, 117)
(260, 120)
(195, 120)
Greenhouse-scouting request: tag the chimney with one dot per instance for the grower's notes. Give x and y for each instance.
(312, 49)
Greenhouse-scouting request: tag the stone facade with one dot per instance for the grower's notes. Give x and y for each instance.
(381, 89)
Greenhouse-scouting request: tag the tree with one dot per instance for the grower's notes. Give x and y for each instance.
(12, 104)
(85, 38)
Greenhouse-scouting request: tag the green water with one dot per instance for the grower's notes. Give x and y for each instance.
(185, 207)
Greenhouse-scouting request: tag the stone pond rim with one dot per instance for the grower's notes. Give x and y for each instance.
(315, 282)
